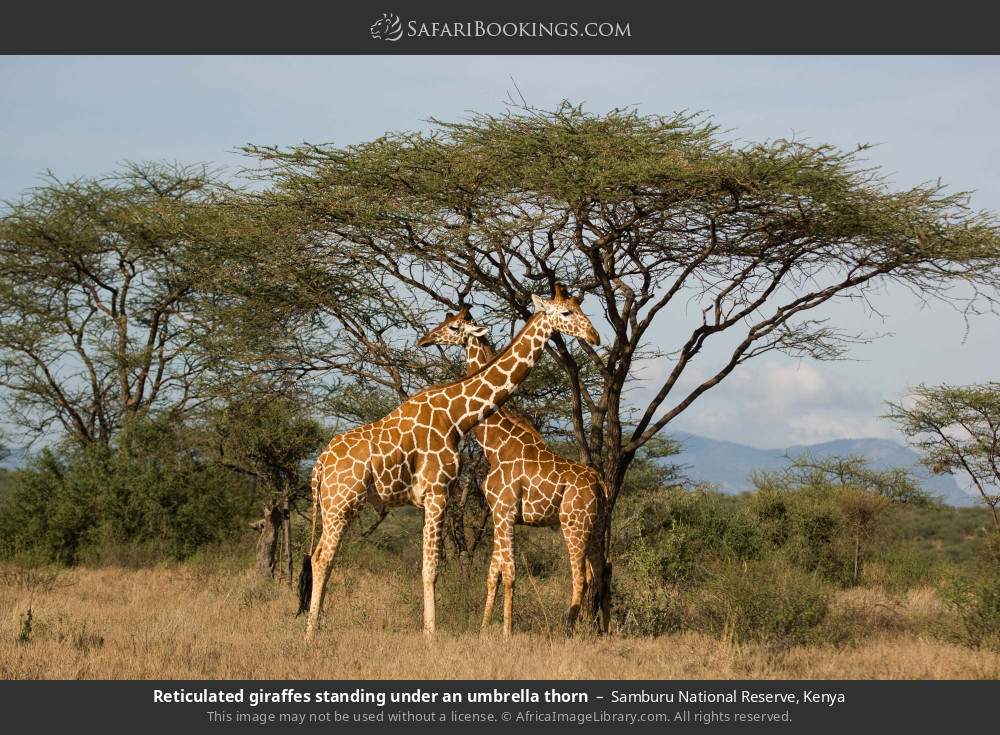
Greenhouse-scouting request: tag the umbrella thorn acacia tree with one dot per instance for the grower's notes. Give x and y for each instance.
(957, 429)
(653, 218)
(100, 281)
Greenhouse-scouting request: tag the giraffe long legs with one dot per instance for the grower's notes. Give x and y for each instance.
(502, 562)
(435, 499)
(334, 525)
(505, 554)
(492, 582)
(501, 567)
(577, 548)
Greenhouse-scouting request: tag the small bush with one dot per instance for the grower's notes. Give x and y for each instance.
(863, 612)
(904, 566)
(682, 529)
(24, 635)
(760, 601)
(976, 604)
(643, 604)
(822, 527)
(256, 592)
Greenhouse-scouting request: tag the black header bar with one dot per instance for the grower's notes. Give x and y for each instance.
(509, 27)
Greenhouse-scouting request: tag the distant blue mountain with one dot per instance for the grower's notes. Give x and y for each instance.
(729, 465)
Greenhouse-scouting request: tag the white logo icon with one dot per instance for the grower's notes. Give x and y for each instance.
(387, 28)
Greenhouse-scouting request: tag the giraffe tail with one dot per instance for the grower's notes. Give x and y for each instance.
(305, 576)
(305, 584)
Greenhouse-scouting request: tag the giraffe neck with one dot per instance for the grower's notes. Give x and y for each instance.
(477, 353)
(491, 386)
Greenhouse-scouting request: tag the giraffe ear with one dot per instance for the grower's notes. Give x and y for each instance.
(478, 331)
(538, 302)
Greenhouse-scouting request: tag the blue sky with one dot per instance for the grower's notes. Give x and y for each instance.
(933, 117)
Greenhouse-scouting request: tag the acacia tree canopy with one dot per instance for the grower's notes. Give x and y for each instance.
(99, 280)
(295, 309)
(643, 212)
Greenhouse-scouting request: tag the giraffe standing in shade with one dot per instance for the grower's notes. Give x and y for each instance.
(411, 455)
(530, 484)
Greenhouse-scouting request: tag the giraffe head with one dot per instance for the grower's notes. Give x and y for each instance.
(566, 316)
(454, 330)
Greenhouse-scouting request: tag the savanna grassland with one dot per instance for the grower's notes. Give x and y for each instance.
(211, 616)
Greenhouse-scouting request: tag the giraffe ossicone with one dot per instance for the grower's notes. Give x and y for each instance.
(529, 484)
(410, 456)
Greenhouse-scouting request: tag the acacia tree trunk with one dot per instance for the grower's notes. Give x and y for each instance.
(456, 522)
(465, 492)
(479, 531)
(269, 528)
(599, 594)
(286, 525)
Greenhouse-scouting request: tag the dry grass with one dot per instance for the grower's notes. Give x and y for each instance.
(863, 611)
(201, 621)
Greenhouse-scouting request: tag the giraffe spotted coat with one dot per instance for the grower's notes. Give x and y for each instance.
(411, 455)
(529, 484)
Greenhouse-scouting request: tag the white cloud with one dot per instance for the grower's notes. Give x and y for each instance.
(777, 403)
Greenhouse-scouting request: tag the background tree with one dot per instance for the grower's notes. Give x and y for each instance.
(645, 213)
(860, 496)
(97, 292)
(268, 434)
(896, 484)
(114, 344)
(957, 429)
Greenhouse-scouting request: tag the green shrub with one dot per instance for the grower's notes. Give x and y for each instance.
(682, 528)
(954, 534)
(50, 509)
(149, 494)
(642, 602)
(975, 598)
(908, 564)
(823, 527)
(977, 607)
